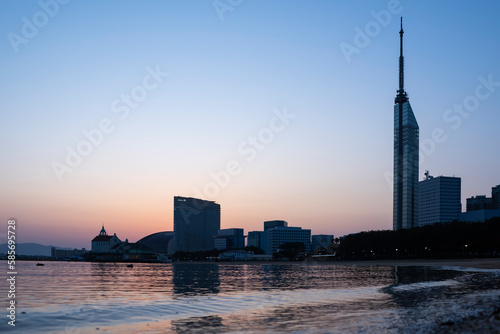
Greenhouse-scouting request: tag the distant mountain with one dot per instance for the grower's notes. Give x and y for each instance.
(30, 249)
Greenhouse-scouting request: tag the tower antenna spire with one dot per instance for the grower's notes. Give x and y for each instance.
(401, 97)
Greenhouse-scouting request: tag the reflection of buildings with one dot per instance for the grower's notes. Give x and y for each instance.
(406, 151)
(189, 324)
(230, 238)
(104, 242)
(197, 279)
(481, 208)
(439, 199)
(196, 223)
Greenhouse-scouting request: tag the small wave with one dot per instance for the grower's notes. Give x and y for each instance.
(423, 285)
(472, 270)
(108, 314)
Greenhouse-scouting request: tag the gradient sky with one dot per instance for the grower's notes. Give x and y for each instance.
(230, 70)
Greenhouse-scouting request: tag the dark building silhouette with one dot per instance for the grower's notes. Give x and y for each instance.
(230, 238)
(406, 155)
(274, 223)
(481, 208)
(104, 242)
(196, 223)
(495, 197)
(160, 242)
(255, 238)
(480, 202)
(439, 199)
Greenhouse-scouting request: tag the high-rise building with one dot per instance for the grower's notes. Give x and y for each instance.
(439, 199)
(495, 197)
(230, 238)
(196, 223)
(406, 154)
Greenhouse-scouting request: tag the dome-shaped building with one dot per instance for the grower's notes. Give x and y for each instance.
(161, 242)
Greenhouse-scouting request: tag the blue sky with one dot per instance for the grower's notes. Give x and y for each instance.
(326, 169)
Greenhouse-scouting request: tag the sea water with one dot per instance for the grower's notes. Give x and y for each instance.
(76, 297)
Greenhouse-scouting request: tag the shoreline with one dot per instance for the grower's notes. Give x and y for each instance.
(482, 263)
(479, 263)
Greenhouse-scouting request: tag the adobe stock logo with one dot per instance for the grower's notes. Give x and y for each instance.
(223, 6)
(249, 150)
(30, 28)
(122, 107)
(372, 29)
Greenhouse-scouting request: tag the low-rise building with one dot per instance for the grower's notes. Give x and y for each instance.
(103, 243)
(277, 236)
(478, 216)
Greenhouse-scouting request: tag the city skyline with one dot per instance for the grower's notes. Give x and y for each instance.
(274, 111)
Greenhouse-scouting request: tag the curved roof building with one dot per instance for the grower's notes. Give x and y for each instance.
(161, 242)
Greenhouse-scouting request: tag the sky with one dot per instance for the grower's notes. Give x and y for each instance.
(274, 109)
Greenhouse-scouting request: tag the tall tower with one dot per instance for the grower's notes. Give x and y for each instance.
(405, 206)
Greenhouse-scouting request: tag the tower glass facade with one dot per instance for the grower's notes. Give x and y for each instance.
(406, 151)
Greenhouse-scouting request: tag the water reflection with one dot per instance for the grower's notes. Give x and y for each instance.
(196, 279)
(208, 324)
(213, 298)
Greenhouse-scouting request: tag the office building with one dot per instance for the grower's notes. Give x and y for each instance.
(255, 239)
(439, 199)
(481, 208)
(479, 216)
(495, 197)
(406, 155)
(480, 202)
(274, 223)
(277, 236)
(230, 238)
(196, 223)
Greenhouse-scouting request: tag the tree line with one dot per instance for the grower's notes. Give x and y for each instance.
(442, 240)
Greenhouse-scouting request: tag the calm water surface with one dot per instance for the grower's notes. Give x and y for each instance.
(70, 297)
